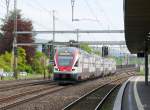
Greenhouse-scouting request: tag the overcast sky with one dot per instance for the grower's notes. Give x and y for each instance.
(93, 15)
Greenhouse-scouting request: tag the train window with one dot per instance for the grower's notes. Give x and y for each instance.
(65, 60)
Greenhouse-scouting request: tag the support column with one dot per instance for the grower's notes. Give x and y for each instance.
(146, 61)
(54, 18)
(146, 68)
(78, 45)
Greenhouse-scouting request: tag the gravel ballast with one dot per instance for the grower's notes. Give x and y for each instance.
(60, 99)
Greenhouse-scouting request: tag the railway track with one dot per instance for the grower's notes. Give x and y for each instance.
(11, 101)
(17, 85)
(94, 99)
(20, 81)
(20, 98)
(21, 85)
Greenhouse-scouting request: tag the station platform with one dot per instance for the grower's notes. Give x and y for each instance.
(136, 95)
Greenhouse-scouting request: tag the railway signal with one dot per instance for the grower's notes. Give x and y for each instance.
(140, 55)
(104, 51)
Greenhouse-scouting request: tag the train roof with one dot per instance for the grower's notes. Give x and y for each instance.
(72, 49)
(69, 49)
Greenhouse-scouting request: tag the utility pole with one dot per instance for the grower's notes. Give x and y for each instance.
(72, 5)
(120, 56)
(78, 37)
(15, 41)
(53, 25)
(7, 8)
(6, 20)
(53, 32)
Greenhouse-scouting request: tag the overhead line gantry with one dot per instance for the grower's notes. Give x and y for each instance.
(70, 31)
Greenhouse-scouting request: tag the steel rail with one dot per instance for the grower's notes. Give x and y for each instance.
(25, 93)
(21, 85)
(106, 96)
(32, 97)
(68, 107)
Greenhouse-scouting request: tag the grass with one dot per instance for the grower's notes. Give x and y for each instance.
(8, 78)
(28, 76)
(141, 72)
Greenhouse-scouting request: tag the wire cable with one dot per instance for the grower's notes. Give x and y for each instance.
(30, 5)
(99, 6)
(46, 10)
(92, 12)
(38, 3)
(39, 24)
(65, 22)
(3, 4)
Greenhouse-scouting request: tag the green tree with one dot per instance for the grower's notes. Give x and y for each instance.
(97, 52)
(39, 61)
(21, 61)
(86, 47)
(6, 42)
(5, 61)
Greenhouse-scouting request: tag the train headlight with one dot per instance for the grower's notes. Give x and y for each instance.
(73, 69)
(56, 69)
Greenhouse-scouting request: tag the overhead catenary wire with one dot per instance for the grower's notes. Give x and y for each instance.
(64, 22)
(103, 14)
(2, 8)
(3, 5)
(39, 24)
(100, 7)
(93, 13)
(45, 9)
(90, 19)
(2, 2)
(39, 6)
(35, 22)
(30, 5)
(48, 11)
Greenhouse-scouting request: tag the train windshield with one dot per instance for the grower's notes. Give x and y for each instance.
(65, 60)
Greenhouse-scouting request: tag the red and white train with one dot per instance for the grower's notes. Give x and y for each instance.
(72, 64)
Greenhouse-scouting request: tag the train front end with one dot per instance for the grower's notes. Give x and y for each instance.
(64, 65)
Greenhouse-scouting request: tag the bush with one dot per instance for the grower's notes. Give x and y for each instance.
(50, 68)
(5, 61)
(28, 69)
(39, 63)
